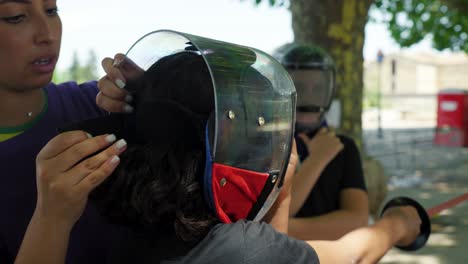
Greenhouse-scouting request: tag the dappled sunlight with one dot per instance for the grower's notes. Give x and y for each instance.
(449, 229)
(446, 212)
(441, 240)
(447, 243)
(438, 228)
(400, 257)
(425, 195)
(442, 187)
(420, 167)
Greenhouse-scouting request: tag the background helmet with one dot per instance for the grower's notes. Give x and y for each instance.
(313, 73)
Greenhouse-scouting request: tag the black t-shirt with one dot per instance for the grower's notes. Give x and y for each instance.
(344, 171)
(247, 242)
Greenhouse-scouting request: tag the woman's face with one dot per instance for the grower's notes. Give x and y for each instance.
(30, 37)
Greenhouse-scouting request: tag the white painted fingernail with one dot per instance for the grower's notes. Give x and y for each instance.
(89, 135)
(110, 138)
(117, 62)
(115, 160)
(120, 83)
(121, 144)
(128, 109)
(128, 98)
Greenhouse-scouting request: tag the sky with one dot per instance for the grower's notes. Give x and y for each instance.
(111, 26)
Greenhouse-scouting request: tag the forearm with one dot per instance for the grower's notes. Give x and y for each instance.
(45, 242)
(278, 216)
(330, 226)
(363, 245)
(303, 182)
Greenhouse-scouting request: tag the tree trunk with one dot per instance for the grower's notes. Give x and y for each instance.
(341, 33)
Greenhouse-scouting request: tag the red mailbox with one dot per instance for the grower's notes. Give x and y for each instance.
(452, 118)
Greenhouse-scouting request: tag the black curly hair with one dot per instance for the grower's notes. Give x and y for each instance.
(157, 186)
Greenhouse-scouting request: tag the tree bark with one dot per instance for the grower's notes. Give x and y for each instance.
(460, 5)
(338, 27)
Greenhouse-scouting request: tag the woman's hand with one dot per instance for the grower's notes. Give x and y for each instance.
(67, 169)
(113, 96)
(66, 173)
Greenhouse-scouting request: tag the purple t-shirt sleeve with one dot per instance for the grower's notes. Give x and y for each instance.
(78, 102)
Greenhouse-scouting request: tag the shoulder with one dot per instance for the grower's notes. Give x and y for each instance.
(347, 140)
(223, 244)
(73, 91)
(349, 144)
(73, 87)
(266, 245)
(250, 242)
(75, 101)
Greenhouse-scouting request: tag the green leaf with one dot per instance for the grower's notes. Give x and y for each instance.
(411, 21)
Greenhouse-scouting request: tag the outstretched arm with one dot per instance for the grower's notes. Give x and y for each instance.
(399, 226)
(353, 213)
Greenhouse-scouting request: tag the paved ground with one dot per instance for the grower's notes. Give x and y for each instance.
(431, 174)
(449, 240)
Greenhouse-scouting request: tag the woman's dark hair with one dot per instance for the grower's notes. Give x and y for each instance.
(157, 186)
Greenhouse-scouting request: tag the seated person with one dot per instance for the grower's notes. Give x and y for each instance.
(159, 190)
(329, 196)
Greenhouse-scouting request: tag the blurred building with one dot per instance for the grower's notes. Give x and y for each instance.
(409, 82)
(419, 73)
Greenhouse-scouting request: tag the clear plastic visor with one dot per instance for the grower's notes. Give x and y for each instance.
(253, 119)
(315, 89)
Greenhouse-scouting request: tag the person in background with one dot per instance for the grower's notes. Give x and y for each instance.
(329, 197)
